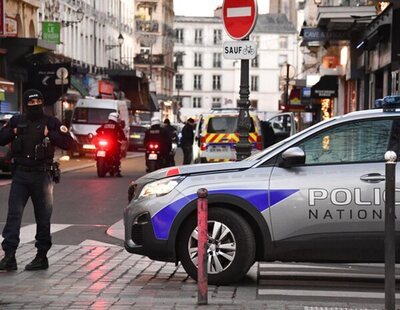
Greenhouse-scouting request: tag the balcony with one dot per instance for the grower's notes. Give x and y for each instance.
(146, 59)
(347, 14)
(147, 26)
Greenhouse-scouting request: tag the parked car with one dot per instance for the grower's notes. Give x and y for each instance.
(5, 151)
(136, 137)
(317, 196)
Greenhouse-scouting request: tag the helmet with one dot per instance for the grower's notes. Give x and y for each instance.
(155, 121)
(113, 116)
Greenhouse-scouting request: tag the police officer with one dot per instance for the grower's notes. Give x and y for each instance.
(113, 129)
(160, 135)
(187, 141)
(33, 136)
(174, 139)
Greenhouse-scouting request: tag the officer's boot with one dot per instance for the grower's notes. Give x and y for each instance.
(40, 262)
(8, 263)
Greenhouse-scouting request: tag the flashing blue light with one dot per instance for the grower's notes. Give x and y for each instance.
(390, 103)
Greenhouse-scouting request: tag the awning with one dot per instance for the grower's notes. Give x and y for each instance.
(75, 83)
(327, 87)
(153, 102)
(6, 85)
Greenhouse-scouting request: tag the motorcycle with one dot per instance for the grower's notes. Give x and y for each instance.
(155, 159)
(106, 161)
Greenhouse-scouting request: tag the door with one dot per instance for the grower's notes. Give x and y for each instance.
(338, 205)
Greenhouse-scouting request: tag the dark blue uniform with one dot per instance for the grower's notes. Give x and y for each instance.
(33, 155)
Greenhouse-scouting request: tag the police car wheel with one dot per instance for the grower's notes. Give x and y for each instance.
(231, 246)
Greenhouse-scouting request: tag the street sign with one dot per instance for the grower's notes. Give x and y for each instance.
(239, 17)
(240, 50)
(51, 32)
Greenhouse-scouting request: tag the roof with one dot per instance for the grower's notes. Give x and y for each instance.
(266, 23)
(274, 23)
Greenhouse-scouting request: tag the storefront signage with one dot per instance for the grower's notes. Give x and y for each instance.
(106, 87)
(11, 29)
(51, 32)
(322, 35)
(2, 17)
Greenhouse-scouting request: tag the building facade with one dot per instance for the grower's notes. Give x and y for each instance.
(205, 79)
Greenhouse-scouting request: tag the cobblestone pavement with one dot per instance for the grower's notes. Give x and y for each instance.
(108, 277)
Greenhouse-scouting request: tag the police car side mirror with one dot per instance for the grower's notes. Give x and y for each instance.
(293, 156)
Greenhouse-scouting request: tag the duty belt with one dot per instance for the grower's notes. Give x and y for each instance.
(34, 169)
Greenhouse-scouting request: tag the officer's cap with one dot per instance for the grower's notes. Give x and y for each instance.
(32, 94)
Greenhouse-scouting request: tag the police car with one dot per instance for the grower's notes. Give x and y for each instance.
(317, 196)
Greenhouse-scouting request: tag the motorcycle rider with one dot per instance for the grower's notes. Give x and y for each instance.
(114, 131)
(174, 139)
(158, 134)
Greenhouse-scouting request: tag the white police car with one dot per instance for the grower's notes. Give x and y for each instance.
(317, 196)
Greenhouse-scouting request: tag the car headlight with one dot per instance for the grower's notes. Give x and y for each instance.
(160, 187)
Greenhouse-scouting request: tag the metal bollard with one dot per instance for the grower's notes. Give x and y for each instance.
(202, 245)
(390, 242)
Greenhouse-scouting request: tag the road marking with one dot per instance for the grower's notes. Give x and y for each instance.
(90, 242)
(239, 12)
(117, 230)
(28, 232)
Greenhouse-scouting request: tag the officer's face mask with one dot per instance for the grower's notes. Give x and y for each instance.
(34, 109)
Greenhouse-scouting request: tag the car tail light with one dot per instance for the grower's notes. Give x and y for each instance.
(203, 144)
(259, 143)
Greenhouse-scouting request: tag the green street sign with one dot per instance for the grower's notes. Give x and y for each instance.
(51, 32)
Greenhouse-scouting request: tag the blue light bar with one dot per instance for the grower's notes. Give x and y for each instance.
(390, 103)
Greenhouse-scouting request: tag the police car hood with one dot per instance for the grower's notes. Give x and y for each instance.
(196, 169)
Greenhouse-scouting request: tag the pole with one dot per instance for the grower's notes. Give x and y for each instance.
(390, 241)
(243, 147)
(61, 99)
(287, 86)
(202, 242)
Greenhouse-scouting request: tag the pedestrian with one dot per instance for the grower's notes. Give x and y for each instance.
(187, 141)
(33, 137)
(174, 139)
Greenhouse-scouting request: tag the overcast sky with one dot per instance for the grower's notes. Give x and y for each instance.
(206, 7)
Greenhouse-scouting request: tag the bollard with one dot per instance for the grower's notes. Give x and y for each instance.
(390, 245)
(202, 245)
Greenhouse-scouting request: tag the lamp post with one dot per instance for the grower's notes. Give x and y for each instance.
(287, 73)
(120, 41)
(178, 84)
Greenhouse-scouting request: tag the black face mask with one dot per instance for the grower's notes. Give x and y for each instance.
(34, 112)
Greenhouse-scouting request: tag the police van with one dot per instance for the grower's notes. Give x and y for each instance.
(317, 196)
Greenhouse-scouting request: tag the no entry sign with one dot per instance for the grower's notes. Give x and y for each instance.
(239, 17)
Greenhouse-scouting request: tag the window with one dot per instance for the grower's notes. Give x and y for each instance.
(356, 142)
(216, 82)
(216, 102)
(179, 35)
(254, 62)
(224, 124)
(282, 59)
(179, 81)
(254, 104)
(217, 60)
(198, 36)
(283, 42)
(217, 36)
(254, 83)
(179, 59)
(196, 102)
(197, 59)
(197, 82)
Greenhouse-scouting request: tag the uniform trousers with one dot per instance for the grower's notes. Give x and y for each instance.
(37, 185)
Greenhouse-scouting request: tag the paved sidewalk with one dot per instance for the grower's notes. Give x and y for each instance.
(107, 277)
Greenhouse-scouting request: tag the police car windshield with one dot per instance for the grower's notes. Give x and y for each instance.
(91, 116)
(260, 155)
(223, 124)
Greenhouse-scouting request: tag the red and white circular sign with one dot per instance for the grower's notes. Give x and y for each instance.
(239, 17)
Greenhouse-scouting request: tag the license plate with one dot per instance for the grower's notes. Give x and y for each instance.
(219, 149)
(152, 156)
(101, 154)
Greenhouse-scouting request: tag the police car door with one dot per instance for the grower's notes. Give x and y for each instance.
(338, 193)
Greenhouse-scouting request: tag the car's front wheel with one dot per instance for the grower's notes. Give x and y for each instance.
(231, 246)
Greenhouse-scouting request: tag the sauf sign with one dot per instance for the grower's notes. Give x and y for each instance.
(239, 17)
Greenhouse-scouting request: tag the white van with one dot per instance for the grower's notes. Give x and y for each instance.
(88, 115)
